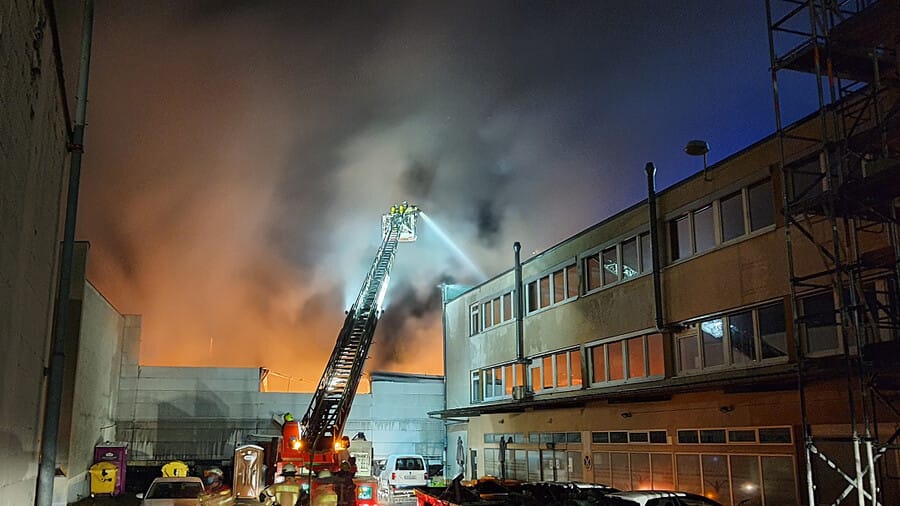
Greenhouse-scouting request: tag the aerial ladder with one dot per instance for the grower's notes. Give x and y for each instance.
(317, 442)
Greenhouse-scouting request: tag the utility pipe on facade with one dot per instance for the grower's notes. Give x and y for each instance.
(654, 244)
(520, 345)
(53, 406)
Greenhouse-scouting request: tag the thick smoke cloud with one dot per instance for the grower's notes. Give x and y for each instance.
(240, 154)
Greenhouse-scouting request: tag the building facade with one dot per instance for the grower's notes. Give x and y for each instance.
(692, 386)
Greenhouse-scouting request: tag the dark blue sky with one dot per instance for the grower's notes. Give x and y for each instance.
(240, 153)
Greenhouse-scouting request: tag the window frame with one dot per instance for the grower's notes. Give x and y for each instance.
(537, 364)
(695, 332)
(550, 276)
(688, 212)
(596, 254)
(626, 366)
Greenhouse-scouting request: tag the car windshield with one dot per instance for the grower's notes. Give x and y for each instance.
(175, 490)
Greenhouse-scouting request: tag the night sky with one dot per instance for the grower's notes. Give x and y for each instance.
(239, 154)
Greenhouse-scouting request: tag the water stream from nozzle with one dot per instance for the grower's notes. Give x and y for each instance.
(453, 247)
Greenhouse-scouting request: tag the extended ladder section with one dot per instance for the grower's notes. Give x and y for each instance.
(324, 421)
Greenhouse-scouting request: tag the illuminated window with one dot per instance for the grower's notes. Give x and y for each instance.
(636, 358)
(488, 315)
(559, 286)
(508, 307)
(558, 370)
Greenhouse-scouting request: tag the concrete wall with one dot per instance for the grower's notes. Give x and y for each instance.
(32, 169)
(198, 413)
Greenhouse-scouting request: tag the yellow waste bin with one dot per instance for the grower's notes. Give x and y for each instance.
(103, 478)
(174, 468)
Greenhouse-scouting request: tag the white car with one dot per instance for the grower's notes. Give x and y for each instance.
(177, 491)
(663, 498)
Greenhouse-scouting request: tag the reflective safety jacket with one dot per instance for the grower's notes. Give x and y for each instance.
(286, 493)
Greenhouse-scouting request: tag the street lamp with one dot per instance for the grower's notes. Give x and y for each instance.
(698, 147)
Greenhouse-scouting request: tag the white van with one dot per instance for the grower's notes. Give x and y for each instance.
(400, 474)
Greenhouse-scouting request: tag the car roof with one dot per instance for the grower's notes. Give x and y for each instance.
(649, 494)
(178, 479)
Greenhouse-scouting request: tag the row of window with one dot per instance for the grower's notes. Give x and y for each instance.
(739, 338)
(729, 479)
(560, 370)
(490, 313)
(722, 220)
(761, 435)
(628, 359)
(626, 437)
(618, 262)
(554, 288)
(725, 219)
(496, 382)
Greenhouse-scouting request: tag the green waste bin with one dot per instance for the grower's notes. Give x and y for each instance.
(103, 478)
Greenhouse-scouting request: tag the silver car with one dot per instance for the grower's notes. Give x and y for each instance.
(177, 491)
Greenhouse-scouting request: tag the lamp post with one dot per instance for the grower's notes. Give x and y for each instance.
(698, 147)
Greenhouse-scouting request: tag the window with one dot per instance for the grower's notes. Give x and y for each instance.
(553, 288)
(819, 324)
(630, 265)
(617, 262)
(742, 436)
(712, 436)
(732, 212)
(747, 210)
(704, 230)
(476, 387)
(762, 210)
(634, 358)
(490, 313)
(592, 272)
(680, 233)
(571, 281)
(742, 338)
(496, 382)
(559, 370)
(775, 435)
(474, 320)
(610, 261)
(772, 332)
(688, 437)
(646, 253)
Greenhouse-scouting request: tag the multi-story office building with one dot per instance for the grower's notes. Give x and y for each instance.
(683, 376)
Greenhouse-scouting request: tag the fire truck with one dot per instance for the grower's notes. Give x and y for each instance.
(316, 441)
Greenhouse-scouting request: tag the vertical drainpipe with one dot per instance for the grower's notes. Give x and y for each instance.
(520, 345)
(654, 244)
(50, 433)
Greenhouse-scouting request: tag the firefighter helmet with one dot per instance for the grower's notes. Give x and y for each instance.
(289, 470)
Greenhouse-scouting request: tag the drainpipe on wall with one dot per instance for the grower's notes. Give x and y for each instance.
(520, 344)
(654, 244)
(50, 433)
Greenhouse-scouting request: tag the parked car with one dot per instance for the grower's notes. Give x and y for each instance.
(401, 474)
(177, 491)
(664, 498)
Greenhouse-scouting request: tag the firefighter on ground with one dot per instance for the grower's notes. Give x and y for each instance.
(287, 493)
(216, 492)
(344, 486)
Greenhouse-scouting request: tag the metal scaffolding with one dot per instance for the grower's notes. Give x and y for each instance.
(841, 175)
